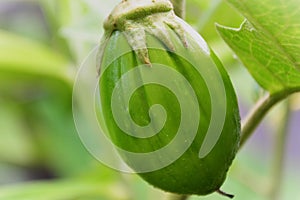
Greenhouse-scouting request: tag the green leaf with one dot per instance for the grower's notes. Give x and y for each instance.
(64, 190)
(268, 42)
(23, 56)
(15, 145)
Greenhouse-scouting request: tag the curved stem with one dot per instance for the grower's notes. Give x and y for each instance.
(179, 7)
(257, 114)
(207, 15)
(280, 144)
(225, 194)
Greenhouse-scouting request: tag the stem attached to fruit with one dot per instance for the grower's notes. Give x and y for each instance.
(179, 7)
(225, 194)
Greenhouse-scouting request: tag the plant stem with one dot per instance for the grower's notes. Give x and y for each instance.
(54, 26)
(257, 114)
(179, 7)
(280, 144)
(207, 15)
(225, 194)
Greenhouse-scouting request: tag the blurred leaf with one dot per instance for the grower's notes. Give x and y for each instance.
(16, 146)
(51, 120)
(23, 18)
(77, 24)
(203, 15)
(23, 56)
(64, 190)
(58, 14)
(268, 42)
(219, 11)
(40, 80)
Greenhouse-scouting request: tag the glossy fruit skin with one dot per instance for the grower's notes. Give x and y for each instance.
(189, 174)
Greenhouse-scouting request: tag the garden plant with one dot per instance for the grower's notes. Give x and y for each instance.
(200, 99)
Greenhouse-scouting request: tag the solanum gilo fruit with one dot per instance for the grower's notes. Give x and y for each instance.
(156, 41)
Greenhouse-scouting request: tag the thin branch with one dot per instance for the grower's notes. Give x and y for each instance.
(280, 145)
(179, 8)
(207, 15)
(257, 114)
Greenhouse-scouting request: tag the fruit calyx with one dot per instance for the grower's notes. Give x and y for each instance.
(135, 18)
(134, 10)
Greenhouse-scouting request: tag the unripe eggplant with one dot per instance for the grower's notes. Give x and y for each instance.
(166, 99)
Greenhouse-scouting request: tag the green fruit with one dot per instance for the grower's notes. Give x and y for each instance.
(168, 65)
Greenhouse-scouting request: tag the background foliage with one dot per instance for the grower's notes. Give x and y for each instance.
(42, 44)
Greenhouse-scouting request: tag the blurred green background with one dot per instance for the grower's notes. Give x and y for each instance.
(42, 44)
